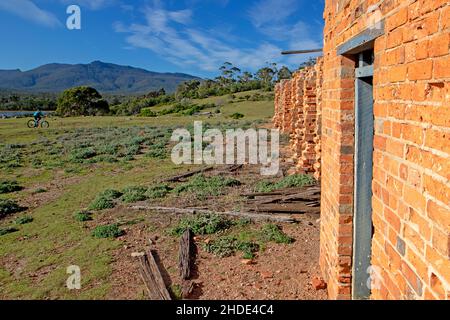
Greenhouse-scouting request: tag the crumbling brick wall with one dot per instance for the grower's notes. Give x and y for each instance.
(297, 103)
(411, 160)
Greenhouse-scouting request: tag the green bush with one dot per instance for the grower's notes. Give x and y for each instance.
(237, 116)
(101, 203)
(228, 245)
(134, 194)
(105, 200)
(203, 186)
(202, 224)
(8, 207)
(111, 194)
(8, 186)
(39, 190)
(78, 155)
(296, 180)
(147, 112)
(4, 231)
(24, 220)
(83, 216)
(107, 231)
(273, 233)
(158, 191)
(157, 153)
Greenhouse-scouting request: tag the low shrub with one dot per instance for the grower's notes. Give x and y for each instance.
(237, 116)
(39, 190)
(4, 231)
(107, 231)
(101, 203)
(296, 180)
(202, 224)
(147, 112)
(158, 191)
(79, 155)
(105, 200)
(8, 186)
(157, 153)
(83, 216)
(8, 207)
(203, 186)
(273, 233)
(24, 220)
(228, 245)
(134, 194)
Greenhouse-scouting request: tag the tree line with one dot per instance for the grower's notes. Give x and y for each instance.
(88, 101)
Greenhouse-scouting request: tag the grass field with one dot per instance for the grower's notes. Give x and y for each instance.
(61, 170)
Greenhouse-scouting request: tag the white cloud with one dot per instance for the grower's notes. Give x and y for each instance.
(26, 9)
(271, 11)
(170, 35)
(91, 4)
(274, 19)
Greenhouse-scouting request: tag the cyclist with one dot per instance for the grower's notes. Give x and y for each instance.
(38, 115)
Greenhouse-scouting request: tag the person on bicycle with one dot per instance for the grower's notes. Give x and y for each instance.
(38, 115)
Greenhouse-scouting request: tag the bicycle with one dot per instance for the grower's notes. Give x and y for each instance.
(35, 124)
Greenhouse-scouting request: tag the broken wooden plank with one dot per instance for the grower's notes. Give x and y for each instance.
(187, 287)
(295, 207)
(248, 215)
(188, 174)
(285, 192)
(235, 167)
(153, 280)
(186, 254)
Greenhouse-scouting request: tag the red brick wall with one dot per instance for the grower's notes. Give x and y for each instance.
(297, 113)
(411, 184)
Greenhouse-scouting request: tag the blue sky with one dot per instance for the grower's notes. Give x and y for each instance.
(190, 36)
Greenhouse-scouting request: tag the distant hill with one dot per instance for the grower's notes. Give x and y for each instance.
(105, 77)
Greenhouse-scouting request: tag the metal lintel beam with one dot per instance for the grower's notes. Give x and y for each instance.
(301, 51)
(362, 41)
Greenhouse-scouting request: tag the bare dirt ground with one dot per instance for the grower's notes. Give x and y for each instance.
(281, 271)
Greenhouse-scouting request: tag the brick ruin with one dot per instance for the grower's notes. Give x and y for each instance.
(411, 154)
(298, 114)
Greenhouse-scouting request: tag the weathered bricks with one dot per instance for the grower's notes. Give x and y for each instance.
(411, 161)
(298, 114)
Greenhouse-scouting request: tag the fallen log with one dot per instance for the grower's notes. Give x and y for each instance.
(153, 280)
(248, 215)
(188, 174)
(185, 254)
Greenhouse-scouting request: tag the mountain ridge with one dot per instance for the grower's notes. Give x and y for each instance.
(105, 77)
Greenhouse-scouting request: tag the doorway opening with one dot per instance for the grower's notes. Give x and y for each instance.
(364, 134)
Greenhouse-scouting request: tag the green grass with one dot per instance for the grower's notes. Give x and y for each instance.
(55, 239)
